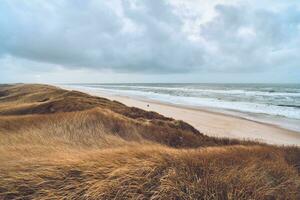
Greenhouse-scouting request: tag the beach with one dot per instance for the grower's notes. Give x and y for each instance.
(65, 144)
(184, 99)
(210, 122)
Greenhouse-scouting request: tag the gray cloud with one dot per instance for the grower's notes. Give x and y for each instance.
(253, 40)
(135, 38)
(147, 36)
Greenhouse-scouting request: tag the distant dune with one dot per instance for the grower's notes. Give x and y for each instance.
(60, 144)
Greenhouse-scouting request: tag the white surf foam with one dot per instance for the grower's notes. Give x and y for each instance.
(289, 112)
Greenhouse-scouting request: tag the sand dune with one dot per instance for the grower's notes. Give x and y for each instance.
(60, 144)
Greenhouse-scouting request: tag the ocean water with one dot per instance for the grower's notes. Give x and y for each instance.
(268, 99)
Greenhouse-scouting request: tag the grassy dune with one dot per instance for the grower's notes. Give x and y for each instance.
(57, 144)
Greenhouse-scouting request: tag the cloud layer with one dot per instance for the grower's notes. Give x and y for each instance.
(152, 36)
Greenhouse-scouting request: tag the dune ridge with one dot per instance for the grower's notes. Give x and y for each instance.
(57, 144)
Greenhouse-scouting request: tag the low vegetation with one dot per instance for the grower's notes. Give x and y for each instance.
(59, 144)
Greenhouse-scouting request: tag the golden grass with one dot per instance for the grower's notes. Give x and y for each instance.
(152, 172)
(97, 149)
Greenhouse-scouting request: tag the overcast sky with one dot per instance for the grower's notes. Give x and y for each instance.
(65, 41)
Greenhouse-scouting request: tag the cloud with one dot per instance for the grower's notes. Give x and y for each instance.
(252, 40)
(150, 36)
(144, 36)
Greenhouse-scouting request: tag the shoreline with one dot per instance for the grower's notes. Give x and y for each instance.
(211, 122)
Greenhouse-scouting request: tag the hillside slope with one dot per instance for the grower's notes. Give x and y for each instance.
(58, 144)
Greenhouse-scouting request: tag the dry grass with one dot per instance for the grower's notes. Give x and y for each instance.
(56, 144)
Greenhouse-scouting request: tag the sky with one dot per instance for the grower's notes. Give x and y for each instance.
(117, 41)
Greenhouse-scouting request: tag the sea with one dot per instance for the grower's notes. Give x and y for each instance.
(281, 100)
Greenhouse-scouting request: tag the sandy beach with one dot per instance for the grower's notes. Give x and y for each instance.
(210, 122)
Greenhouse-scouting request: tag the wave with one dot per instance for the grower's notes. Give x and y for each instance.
(252, 107)
(270, 92)
(291, 106)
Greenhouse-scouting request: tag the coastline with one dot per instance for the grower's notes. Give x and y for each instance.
(211, 122)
